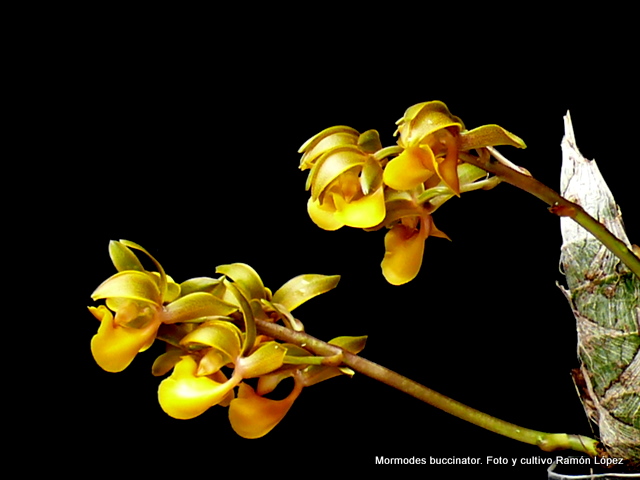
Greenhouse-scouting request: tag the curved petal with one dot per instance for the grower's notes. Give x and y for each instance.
(350, 344)
(489, 136)
(131, 284)
(267, 358)
(184, 395)
(324, 141)
(410, 168)
(123, 258)
(245, 277)
(302, 288)
(424, 119)
(365, 212)
(404, 248)
(222, 336)
(332, 165)
(253, 416)
(323, 218)
(196, 305)
(114, 347)
(447, 169)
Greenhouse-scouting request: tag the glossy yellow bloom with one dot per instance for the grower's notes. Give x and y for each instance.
(345, 178)
(356, 182)
(115, 345)
(185, 394)
(197, 382)
(343, 203)
(432, 139)
(253, 416)
(213, 343)
(142, 301)
(404, 248)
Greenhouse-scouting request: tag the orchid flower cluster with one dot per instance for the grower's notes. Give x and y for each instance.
(212, 343)
(356, 182)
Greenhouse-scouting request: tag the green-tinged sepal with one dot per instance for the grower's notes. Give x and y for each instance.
(265, 359)
(245, 278)
(324, 141)
(200, 284)
(123, 258)
(332, 165)
(196, 305)
(351, 344)
(222, 336)
(161, 273)
(369, 141)
(302, 288)
(489, 136)
(165, 362)
(130, 284)
(250, 331)
(371, 176)
(424, 119)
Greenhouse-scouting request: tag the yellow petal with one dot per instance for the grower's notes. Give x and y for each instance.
(196, 305)
(409, 169)
(424, 119)
(324, 141)
(404, 248)
(267, 358)
(447, 170)
(223, 336)
(114, 346)
(447, 167)
(334, 164)
(322, 217)
(365, 212)
(253, 416)
(184, 395)
(130, 284)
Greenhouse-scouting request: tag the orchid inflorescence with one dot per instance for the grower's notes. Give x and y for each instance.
(212, 343)
(356, 182)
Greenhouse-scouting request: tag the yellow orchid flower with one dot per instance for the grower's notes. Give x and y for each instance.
(345, 178)
(432, 139)
(136, 296)
(185, 394)
(197, 383)
(253, 416)
(209, 326)
(115, 345)
(404, 248)
(142, 301)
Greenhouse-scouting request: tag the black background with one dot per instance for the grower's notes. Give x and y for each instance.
(184, 140)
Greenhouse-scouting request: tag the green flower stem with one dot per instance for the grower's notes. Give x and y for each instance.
(546, 441)
(559, 205)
